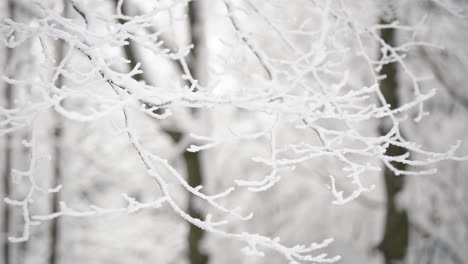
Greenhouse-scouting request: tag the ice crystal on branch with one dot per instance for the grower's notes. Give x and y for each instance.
(297, 77)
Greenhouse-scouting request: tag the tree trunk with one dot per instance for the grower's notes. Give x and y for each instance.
(6, 181)
(395, 239)
(7, 166)
(191, 159)
(57, 179)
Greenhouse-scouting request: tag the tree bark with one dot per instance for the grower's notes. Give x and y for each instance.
(7, 166)
(192, 159)
(57, 179)
(394, 243)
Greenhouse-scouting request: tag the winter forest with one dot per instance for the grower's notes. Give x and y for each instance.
(233, 131)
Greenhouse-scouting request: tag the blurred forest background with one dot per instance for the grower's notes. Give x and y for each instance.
(413, 219)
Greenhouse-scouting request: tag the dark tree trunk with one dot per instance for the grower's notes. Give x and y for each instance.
(195, 236)
(6, 182)
(57, 179)
(7, 166)
(395, 239)
(55, 200)
(192, 160)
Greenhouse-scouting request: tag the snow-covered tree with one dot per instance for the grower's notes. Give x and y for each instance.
(199, 120)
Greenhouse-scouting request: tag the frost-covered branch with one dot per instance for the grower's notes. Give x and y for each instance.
(309, 90)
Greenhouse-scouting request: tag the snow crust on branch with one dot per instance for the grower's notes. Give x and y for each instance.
(304, 88)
